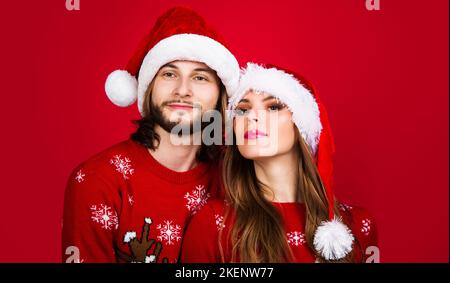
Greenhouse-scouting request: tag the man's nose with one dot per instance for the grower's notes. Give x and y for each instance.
(183, 88)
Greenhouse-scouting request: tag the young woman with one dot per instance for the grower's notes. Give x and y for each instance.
(279, 204)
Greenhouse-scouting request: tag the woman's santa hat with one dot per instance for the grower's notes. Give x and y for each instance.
(179, 34)
(332, 239)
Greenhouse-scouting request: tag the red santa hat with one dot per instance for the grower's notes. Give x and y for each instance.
(179, 34)
(332, 239)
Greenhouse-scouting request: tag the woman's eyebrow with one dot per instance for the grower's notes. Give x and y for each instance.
(270, 97)
(244, 100)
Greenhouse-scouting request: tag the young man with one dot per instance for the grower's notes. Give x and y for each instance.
(131, 202)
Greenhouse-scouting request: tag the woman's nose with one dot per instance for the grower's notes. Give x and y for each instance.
(252, 115)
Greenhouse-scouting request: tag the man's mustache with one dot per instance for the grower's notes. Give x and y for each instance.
(193, 104)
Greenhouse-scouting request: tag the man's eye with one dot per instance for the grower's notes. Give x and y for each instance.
(168, 75)
(200, 78)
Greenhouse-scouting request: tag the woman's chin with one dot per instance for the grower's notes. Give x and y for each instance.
(255, 152)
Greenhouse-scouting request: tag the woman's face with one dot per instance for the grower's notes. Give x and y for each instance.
(263, 126)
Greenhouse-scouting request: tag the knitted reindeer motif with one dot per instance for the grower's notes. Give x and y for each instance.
(139, 248)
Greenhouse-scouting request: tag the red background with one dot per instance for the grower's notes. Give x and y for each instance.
(383, 76)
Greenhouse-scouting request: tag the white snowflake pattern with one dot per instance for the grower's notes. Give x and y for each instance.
(296, 238)
(130, 200)
(105, 216)
(219, 222)
(80, 176)
(196, 199)
(123, 165)
(366, 226)
(169, 232)
(345, 207)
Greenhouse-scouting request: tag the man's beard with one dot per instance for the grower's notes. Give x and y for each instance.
(156, 113)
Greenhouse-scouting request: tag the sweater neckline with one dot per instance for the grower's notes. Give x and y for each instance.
(288, 205)
(168, 174)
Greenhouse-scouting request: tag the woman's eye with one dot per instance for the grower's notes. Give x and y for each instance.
(276, 107)
(240, 111)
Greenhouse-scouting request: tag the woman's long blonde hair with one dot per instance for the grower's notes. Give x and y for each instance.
(257, 234)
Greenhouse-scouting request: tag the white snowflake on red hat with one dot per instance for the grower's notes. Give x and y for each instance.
(345, 207)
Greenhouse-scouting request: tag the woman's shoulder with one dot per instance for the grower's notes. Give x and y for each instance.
(354, 212)
(201, 236)
(364, 229)
(210, 215)
(206, 222)
(361, 222)
(214, 206)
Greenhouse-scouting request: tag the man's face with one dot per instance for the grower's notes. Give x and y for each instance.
(182, 92)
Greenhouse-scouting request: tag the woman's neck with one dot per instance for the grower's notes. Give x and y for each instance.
(179, 157)
(280, 174)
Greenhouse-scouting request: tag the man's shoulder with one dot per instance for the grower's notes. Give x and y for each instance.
(216, 180)
(120, 154)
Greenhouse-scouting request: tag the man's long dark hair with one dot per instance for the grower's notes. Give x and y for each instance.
(145, 133)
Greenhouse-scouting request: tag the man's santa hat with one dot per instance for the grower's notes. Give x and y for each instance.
(332, 239)
(179, 34)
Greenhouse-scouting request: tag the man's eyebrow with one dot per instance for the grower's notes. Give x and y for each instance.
(208, 70)
(169, 65)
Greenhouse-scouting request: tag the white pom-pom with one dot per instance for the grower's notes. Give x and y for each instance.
(121, 88)
(148, 220)
(129, 236)
(333, 239)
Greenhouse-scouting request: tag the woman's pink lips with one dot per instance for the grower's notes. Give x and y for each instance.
(180, 106)
(254, 134)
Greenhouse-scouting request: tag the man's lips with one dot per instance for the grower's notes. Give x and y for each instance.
(254, 134)
(180, 106)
